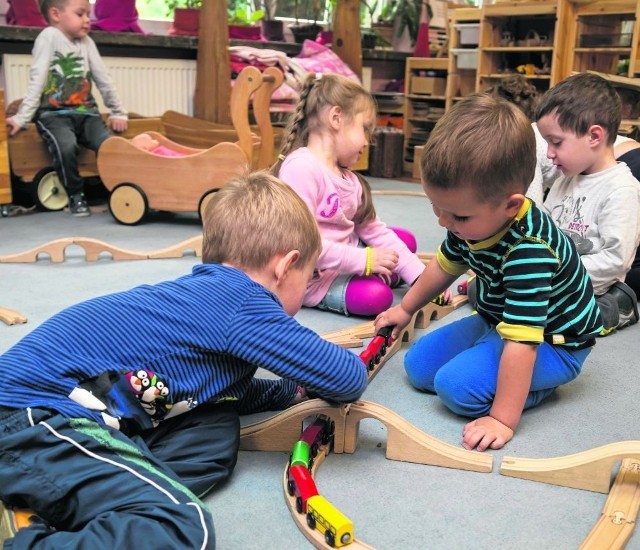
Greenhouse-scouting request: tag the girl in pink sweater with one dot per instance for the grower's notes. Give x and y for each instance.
(362, 258)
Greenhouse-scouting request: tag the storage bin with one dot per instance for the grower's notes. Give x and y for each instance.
(469, 33)
(466, 59)
(428, 85)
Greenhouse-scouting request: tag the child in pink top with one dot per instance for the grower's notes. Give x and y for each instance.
(361, 257)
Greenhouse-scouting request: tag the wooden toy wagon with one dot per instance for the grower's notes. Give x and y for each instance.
(140, 180)
(32, 168)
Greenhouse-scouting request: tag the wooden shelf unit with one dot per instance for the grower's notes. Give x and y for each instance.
(520, 34)
(461, 80)
(601, 34)
(423, 109)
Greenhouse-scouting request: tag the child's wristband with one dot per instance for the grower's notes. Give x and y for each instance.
(367, 270)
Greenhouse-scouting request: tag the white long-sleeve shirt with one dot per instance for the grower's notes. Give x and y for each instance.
(601, 213)
(60, 78)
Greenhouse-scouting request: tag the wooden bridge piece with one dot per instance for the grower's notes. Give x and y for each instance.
(280, 432)
(93, 248)
(407, 443)
(55, 250)
(589, 470)
(178, 250)
(11, 317)
(618, 518)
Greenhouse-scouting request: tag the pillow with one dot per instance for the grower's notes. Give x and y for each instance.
(25, 13)
(316, 58)
(116, 16)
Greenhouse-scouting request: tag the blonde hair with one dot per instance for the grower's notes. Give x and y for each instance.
(255, 217)
(317, 93)
(483, 142)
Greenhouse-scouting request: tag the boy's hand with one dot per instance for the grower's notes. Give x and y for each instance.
(118, 125)
(384, 260)
(395, 317)
(485, 432)
(13, 126)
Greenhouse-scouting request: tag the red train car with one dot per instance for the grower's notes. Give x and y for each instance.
(318, 433)
(301, 485)
(377, 348)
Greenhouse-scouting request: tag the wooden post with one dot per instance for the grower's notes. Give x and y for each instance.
(213, 76)
(346, 34)
(6, 197)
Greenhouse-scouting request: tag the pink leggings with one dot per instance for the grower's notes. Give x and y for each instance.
(369, 295)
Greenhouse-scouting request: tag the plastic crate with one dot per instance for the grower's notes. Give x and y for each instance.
(466, 59)
(469, 33)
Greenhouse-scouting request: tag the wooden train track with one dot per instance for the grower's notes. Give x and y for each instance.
(589, 470)
(404, 441)
(618, 518)
(11, 317)
(93, 248)
(313, 535)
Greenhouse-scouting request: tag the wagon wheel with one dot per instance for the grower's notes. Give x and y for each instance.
(128, 204)
(48, 191)
(204, 202)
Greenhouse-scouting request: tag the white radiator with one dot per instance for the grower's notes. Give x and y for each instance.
(147, 87)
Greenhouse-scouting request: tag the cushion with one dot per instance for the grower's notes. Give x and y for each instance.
(25, 13)
(116, 16)
(316, 58)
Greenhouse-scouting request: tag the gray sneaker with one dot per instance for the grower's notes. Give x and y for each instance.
(618, 307)
(78, 205)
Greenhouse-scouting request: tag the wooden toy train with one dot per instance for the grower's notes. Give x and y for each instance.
(320, 513)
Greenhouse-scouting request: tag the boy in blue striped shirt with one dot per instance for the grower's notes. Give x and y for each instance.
(537, 317)
(118, 414)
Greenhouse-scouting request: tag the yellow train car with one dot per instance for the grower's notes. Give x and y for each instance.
(326, 518)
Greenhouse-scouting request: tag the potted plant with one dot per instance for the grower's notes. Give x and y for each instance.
(272, 28)
(186, 16)
(242, 24)
(306, 31)
(404, 15)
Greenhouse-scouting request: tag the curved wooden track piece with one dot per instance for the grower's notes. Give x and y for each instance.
(55, 250)
(407, 443)
(618, 518)
(352, 337)
(11, 317)
(589, 470)
(179, 250)
(313, 535)
(94, 247)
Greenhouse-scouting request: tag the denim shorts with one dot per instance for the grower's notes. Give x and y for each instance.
(334, 300)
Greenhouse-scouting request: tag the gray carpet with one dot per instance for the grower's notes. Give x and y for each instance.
(392, 504)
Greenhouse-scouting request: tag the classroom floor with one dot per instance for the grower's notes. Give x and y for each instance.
(392, 504)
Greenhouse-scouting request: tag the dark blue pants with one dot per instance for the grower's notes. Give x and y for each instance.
(63, 135)
(96, 486)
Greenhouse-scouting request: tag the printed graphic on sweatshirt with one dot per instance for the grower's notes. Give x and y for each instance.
(568, 216)
(67, 84)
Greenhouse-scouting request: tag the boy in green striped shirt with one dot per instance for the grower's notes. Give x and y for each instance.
(537, 317)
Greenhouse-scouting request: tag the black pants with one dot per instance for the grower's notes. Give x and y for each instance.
(63, 135)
